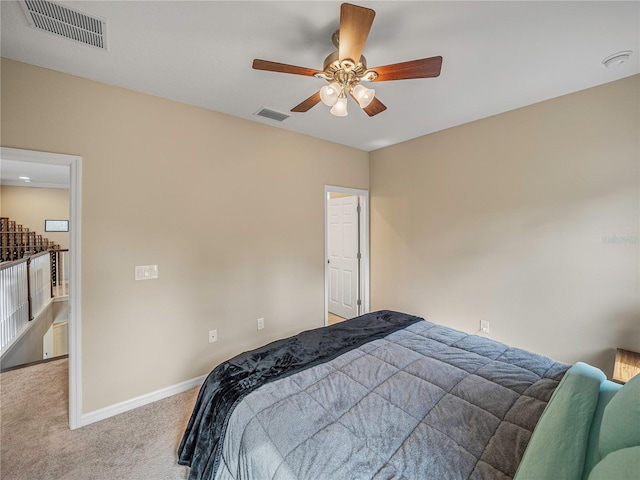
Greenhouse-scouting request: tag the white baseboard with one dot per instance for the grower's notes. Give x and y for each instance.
(110, 411)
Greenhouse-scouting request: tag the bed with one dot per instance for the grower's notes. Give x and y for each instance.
(389, 395)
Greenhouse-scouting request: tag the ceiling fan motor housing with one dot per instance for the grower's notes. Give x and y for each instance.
(346, 73)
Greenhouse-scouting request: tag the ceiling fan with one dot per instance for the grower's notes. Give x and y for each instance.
(347, 67)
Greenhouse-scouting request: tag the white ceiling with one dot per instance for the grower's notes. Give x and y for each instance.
(498, 56)
(40, 174)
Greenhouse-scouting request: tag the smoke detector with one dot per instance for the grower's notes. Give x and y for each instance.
(617, 59)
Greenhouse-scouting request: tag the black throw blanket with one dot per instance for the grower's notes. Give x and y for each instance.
(232, 380)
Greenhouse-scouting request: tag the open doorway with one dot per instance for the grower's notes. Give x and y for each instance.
(346, 253)
(74, 165)
(34, 211)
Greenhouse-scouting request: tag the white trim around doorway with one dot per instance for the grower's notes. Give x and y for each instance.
(74, 163)
(364, 245)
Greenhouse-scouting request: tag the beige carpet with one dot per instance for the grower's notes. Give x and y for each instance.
(36, 443)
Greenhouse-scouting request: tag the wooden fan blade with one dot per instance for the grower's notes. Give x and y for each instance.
(423, 68)
(355, 23)
(282, 68)
(307, 104)
(375, 107)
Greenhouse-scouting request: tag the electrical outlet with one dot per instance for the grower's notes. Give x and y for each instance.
(484, 326)
(260, 323)
(213, 336)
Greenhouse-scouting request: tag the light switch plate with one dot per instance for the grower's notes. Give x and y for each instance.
(146, 272)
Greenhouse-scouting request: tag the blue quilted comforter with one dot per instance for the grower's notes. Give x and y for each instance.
(384, 396)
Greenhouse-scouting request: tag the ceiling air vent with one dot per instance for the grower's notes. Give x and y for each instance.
(272, 114)
(66, 22)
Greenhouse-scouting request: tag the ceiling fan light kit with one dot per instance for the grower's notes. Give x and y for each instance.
(344, 74)
(345, 80)
(335, 93)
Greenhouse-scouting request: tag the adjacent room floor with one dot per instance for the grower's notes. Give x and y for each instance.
(333, 318)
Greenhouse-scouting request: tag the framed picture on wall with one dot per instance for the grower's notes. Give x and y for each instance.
(56, 225)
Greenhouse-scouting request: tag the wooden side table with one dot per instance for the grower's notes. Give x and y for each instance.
(626, 366)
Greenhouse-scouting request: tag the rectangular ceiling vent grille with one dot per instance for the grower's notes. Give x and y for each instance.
(66, 22)
(272, 114)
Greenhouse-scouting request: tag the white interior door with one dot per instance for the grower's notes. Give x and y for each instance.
(343, 256)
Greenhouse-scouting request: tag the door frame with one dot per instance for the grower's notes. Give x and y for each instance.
(364, 245)
(74, 163)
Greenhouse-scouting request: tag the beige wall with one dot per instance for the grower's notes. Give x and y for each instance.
(230, 210)
(528, 219)
(31, 206)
